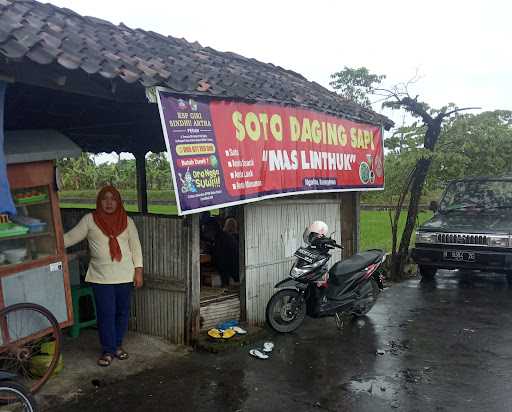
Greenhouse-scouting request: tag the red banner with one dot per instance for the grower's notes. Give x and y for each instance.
(224, 153)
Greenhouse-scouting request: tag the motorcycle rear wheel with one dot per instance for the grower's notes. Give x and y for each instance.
(369, 291)
(286, 311)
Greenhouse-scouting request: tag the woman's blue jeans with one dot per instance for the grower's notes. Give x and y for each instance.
(112, 313)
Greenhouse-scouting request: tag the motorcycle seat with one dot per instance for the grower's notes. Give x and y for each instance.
(355, 263)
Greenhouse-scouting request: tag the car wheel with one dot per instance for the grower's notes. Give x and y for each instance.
(427, 272)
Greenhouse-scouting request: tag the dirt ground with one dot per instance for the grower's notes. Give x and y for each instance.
(80, 372)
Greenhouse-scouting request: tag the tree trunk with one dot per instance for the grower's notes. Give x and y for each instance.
(400, 259)
(394, 232)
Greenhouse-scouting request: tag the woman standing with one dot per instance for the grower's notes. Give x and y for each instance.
(115, 267)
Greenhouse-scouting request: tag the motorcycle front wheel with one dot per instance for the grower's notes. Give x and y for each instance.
(286, 310)
(15, 397)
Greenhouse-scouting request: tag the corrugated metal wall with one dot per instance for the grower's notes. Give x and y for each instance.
(160, 307)
(273, 231)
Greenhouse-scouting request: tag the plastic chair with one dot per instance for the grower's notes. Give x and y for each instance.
(78, 292)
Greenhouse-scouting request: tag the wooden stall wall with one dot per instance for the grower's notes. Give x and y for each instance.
(273, 231)
(168, 304)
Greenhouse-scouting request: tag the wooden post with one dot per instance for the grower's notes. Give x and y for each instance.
(356, 229)
(193, 283)
(350, 222)
(142, 188)
(240, 216)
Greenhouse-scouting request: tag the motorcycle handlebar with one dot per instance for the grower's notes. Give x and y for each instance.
(332, 242)
(326, 241)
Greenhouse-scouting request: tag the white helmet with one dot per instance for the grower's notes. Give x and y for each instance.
(315, 229)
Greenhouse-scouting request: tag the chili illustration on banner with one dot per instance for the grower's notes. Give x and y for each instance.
(225, 153)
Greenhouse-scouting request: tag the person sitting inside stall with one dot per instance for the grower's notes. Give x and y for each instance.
(226, 255)
(115, 267)
(231, 227)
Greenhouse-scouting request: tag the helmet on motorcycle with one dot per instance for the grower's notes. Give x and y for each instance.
(315, 229)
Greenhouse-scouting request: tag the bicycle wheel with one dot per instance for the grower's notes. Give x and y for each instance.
(14, 397)
(29, 331)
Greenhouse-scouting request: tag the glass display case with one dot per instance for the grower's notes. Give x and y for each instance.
(33, 263)
(30, 235)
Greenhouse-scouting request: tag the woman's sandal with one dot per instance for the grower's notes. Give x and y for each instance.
(105, 359)
(121, 354)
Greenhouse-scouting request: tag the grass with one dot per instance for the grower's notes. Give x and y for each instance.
(375, 226)
(157, 209)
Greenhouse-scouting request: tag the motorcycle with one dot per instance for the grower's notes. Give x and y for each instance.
(14, 396)
(349, 288)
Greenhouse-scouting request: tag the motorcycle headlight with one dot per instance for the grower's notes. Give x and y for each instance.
(426, 237)
(498, 241)
(296, 271)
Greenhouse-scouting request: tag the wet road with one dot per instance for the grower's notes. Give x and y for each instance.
(447, 346)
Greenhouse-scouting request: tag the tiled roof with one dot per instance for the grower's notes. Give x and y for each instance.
(46, 34)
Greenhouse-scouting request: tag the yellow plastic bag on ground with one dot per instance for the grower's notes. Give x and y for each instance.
(39, 363)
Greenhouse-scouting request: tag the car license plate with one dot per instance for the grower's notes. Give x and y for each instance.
(460, 255)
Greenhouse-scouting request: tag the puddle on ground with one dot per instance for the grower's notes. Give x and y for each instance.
(378, 386)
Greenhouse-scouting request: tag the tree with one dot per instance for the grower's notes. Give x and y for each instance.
(158, 171)
(126, 173)
(356, 85)
(474, 145)
(78, 173)
(416, 145)
(105, 173)
(432, 122)
(403, 152)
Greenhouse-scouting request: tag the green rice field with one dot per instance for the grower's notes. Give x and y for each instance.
(375, 225)
(376, 228)
(157, 209)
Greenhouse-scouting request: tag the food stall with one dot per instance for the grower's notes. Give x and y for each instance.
(33, 263)
(98, 96)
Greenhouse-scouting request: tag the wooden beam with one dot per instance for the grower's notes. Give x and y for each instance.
(171, 285)
(142, 189)
(193, 294)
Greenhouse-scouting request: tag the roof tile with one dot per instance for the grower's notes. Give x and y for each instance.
(129, 76)
(90, 66)
(26, 37)
(41, 54)
(69, 61)
(50, 40)
(4, 35)
(13, 49)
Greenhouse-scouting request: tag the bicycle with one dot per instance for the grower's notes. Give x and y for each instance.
(30, 342)
(14, 396)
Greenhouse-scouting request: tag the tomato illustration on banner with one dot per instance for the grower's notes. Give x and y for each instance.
(225, 153)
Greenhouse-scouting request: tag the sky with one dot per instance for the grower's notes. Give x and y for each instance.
(460, 49)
